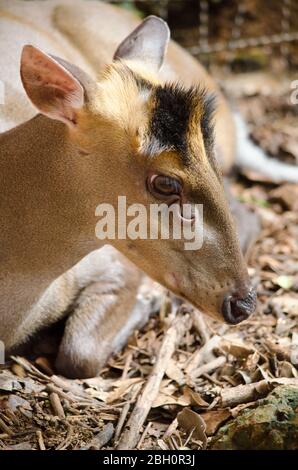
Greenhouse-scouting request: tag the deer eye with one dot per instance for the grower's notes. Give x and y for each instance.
(162, 185)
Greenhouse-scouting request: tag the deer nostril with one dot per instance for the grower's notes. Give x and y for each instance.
(235, 309)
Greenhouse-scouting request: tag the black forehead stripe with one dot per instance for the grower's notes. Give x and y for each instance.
(170, 118)
(172, 109)
(173, 106)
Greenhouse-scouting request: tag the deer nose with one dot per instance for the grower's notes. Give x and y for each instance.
(235, 309)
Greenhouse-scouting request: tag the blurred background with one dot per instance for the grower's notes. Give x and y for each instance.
(239, 35)
(251, 49)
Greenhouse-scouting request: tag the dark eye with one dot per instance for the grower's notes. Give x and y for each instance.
(162, 185)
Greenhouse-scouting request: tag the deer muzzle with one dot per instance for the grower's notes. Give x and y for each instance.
(235, 309)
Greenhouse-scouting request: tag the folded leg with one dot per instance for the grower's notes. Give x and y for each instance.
(105, 315)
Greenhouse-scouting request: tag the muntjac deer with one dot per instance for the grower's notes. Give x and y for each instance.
(115, 126)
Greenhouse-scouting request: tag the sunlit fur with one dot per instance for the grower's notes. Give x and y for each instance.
(53, 176)
(159, 116)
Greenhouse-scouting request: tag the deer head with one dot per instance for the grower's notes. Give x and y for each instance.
(152, 142)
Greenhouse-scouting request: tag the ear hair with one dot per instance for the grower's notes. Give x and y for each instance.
(54, 90)
(147, 43)
(85, 80)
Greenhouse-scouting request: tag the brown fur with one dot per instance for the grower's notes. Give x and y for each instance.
(53, 176)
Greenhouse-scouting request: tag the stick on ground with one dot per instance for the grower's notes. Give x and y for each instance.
(131, 434)
(101, 439)
(251, 392)
(56, 405)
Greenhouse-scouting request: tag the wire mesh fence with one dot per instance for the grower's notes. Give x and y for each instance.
(245, 32)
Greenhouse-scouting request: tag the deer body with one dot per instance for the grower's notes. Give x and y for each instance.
(54, 174)
(88, 34)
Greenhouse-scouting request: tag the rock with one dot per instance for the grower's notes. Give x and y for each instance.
(271, 425)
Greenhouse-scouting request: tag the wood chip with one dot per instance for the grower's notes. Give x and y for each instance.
(56, 405)
(40, 440)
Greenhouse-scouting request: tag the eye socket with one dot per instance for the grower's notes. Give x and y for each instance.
(162, 185)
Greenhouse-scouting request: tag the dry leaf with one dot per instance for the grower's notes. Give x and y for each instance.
(237, 349)
(191, 422)
(164, 399)
(122, 387)
(99, 383)
(99, 394)
(245, 376)
(203, 355)
(284, 281)
(287, 303)
(175, 373)
(287, 370)
(195, 398)
(214, 420)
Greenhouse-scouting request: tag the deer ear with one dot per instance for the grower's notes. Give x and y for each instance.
(54, 91)
(147, 43)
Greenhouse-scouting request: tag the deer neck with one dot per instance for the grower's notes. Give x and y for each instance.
(48, 206)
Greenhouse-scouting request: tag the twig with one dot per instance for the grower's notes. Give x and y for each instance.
(172, 428)
(101, 439)
(199, 357)
(64, 444)
(68, 386)
(40, 440)
(5, 428)
(121, 420)
(209, 367)
(132, 397)
(200, 326)
(212, 379)
(127, 365)
(144, 434)
(12, 417)
(59, 382)
(251, 392)
(56, 405)
(52, 389)
(29, 367)
(244, 393)
(130, 436)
